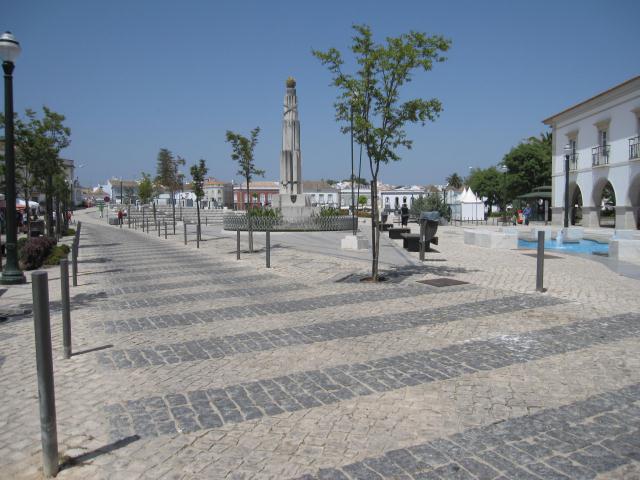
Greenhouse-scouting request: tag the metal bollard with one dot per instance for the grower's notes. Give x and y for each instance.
(44, 364)
(237, 244)
(174, 226)
(66, 307)
(205, 221)
(422, 240)
(129, 220)
(185, 232)
(74, 263)
(540, 263)
(165, 230)
(268, 249)
(147, 225)
(158, 228)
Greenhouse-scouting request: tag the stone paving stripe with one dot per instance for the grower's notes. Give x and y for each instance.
(314, 388)
(213, 273)
(599, 434)
(251, 311)
(219, 347)
(209, 295)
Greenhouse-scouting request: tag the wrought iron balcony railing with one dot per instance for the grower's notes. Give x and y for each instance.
(600, 155)
(634, 147)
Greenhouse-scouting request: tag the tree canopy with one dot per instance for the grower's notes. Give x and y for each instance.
(454, 180)
(529, 165)
(145, 188)
(198, 174)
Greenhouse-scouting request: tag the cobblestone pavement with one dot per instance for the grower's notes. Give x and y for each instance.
(190, 364)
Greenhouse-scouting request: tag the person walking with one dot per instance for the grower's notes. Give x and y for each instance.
(527, 214)
(101, 208)
(404, 214)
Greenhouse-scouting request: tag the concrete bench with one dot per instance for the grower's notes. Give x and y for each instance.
(411, 242)
(490, 239)
(396, 233)
(625, 250)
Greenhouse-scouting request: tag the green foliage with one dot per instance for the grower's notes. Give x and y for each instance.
(198, 174)
(454, 180)
(430, 203)
(529, 165)
(167, 169)
(34, 252)
(372, 96)
(70, 232)
(57, 253)
(362, 200)
(357, 180)
(264, 212)
(330, 212)
(145, 188)
(488, 183)
(242, 152)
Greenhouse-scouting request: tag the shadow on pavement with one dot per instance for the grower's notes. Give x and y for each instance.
(68, 462)
(89, 350)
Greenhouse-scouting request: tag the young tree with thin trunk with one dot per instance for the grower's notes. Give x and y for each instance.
(167, 176)
(373, 92)
(145, 189)
(242, 152)
(198, 174)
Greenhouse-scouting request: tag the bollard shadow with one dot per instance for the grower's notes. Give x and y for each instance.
(68, 462)
(96, 260)
(89, 350)
(98, 245)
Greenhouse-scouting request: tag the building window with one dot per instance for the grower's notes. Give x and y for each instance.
(330, 197)
(321, 196)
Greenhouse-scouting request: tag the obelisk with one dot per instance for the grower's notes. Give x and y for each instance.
(290, 156)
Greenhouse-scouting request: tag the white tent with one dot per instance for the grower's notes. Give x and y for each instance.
(471, 207)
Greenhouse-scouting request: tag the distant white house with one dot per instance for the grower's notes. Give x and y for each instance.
(392, 200)
(603, 144)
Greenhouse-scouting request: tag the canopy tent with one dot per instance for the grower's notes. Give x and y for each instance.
(21, 204)
(471, 207)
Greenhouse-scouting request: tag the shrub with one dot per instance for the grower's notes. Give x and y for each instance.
(34, 252)
(70, 232)
(264, 212)
(57, 253)
(330, 212)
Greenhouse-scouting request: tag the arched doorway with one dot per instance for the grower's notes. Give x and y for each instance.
(634, 199)
(575, 212)
(605, 203)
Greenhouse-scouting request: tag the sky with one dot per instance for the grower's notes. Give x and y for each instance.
(132, 77)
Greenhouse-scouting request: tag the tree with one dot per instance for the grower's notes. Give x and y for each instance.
(198, 174)
(454, 180)
(145, 188)
(357, 180)
(430, 203)
(362, 200)
(373, 94)
(242, 152)
(167, 176)
(529, 165)
(38, 142)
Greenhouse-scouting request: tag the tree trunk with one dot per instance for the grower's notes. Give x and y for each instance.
(198, 212)
(375, 234)
(26, 201)
(249, 223)
(49, 207)
(173, 206)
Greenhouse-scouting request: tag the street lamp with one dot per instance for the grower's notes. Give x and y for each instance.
(9, 51)
(503, 169)
(567, 155)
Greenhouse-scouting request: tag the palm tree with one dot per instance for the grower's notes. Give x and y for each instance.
(454, 180)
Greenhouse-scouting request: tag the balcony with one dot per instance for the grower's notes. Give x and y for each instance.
(600, 155)
(634, 148)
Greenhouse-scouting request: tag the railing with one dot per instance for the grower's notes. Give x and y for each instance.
(634, 147)
(600, 155)
(235, 221)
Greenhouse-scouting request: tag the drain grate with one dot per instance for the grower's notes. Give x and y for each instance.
(442, 282)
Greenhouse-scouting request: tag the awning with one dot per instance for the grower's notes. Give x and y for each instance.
(546, 195)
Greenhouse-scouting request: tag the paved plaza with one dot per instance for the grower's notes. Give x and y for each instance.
(191, 364)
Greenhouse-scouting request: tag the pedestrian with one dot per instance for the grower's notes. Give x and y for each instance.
(404, 214)
(101, 208)
(120, 216)
(527, 214)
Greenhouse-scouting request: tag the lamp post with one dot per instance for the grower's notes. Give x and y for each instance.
(353, 193)
(567, 154)
(9, 51)
(503, 169)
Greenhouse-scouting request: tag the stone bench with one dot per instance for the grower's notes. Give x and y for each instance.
(625, 250)
(396, 233)
(489, 239)
(411, 242)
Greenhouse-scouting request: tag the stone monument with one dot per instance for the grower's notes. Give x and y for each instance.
(292, 201)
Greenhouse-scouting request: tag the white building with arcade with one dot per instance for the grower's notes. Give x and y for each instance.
(601, 137)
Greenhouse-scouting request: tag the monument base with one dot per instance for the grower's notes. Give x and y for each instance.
(294, 207)
(354, 242)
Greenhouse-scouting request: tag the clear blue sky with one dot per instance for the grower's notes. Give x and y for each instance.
(134, 76)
